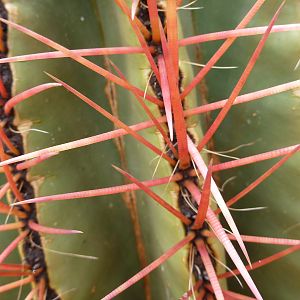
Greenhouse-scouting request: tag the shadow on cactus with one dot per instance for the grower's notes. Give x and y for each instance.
(148, 141)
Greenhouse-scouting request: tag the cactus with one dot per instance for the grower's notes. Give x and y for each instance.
(117, 235)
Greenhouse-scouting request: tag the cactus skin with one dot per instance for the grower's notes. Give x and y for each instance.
(66, 119)
(271, 124)
(54, 175)
(60, 174)
(171, 279)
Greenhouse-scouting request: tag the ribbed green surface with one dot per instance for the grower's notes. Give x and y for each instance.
(108, 232)
(160, 229)
(271, 123)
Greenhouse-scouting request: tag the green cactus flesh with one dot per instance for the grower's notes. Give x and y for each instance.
(104, 236)
(269, 124)
(109, 234)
